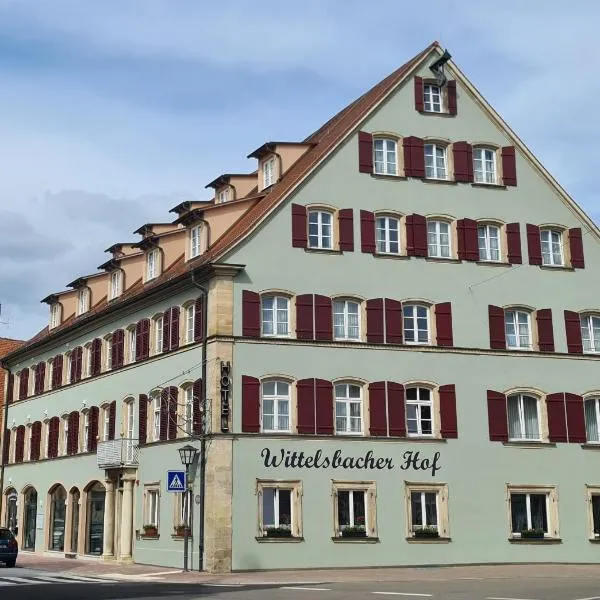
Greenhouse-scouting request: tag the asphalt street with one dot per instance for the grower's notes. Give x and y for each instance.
(30, 584)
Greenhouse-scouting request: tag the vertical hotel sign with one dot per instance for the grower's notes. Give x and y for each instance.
(225, 395)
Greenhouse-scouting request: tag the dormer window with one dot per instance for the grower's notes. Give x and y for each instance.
(152, 264)
(83, 301)
(55, 311)
(223, 196)
(116, 284)
(195, 241)
(268, 173)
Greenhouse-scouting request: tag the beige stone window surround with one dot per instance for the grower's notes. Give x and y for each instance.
(542, 415)
(530, 311)
(369, 489)
(187, 322)
(293, 522)
(396, 139)
(495, 149)
(63, 436)
(56, 312)
(334, 229)
(443, 92)
(502, 240)
(153, 416)
(182, 502)
(115, 283)
(592, 499)
(452, 232)
(151, 512)
(421, 492)
(345, 411)
(153, 264)
(434, 402)
(157, 323)
(428, 305)
(401, 222)
(84, 429)
(349, 300)
(185, 409)
(277, 398)
(591, 403)
(291, 312)
(551, 508)
(130, 343)
(439, 143)
(107, 353)
(84, 299)
(565, 254)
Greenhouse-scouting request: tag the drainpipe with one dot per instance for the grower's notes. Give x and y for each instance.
(2, 434)
(203, 427)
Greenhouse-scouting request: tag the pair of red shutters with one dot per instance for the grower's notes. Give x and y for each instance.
(534, 246)
(566, 420)
(450, 96)
(315, 402)
(314, 319)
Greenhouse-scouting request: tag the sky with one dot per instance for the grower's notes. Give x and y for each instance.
(114, 111)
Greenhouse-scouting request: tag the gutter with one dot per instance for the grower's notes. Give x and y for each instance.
(2, 436)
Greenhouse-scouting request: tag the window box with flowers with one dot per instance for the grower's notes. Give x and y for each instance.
(532, 534)
(355, 531)
(150, 531)
(180, 531)
(426, 532)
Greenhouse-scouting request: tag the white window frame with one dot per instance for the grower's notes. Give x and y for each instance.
(274, 313)
(188, 410)
(195, 240)
(369, 489)
(549, 258)
(520, 398)
(55, 311)
(485, 242)
(83, 301)
(323, 242)
(116, 281)
(514, 315)
(159, 324)
(341, 310)
(423, 497)
(419, 403)
(152, 260)
(223, 196)
(550, 506)
(65, 440)
(152, 506)
(108, 342)
(435, 248)
(85, 431)
(131, 344)
(430, 90)
(595, 401)
(343, 404)
(591, 342)
(87, 360)
(268, 171)
(295, 520)
(279, 400)
(384, 226)
(484, 165)
(414, 309)
(190, 322)
(156, 400)
(385, 156)
(433, 152)
(106, 423)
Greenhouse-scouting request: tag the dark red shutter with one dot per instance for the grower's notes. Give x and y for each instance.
(57, 371)
(40, 377)
(250, 404)
(534, 244)
(198, 320)
(76, 364)
(11, 388)
(36, 440)
(346, 229)
(497, 331)
(419, 106)
(53, 429)
(513, 242)
(416, 235)
(497, 416)
(73, 433)
(197, 407)
(443, 324)
(173, 392)
(414, 157)
(462, 155)
(250, 314)
(142, 418)
(393, 321)
(6, 447)
(299, 226)
(378, 409)
(166, 331)
(142, 339)
(449, 424)
(324, 406)
(323, 318)
(112, 417)
(375, 321)
(575, 419)
(174, 342)
(304, 317)
(164, 415)
(395, 409)
(96, 359)
(557, 422)
(20, 444)
(451, 89)
(367, 231)
(509, 166)
(545, 330)
(573, 330)
(93, 428)
(23, 384)
(117, 348)
(365, 152)
(468, 244)
(305, 392)
(576, 248)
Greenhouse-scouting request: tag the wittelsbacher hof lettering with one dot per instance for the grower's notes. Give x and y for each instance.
(411, 460)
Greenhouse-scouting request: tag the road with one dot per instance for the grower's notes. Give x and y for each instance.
(30, 584)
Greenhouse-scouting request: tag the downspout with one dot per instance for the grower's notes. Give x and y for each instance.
(3, 433)
(203, 427)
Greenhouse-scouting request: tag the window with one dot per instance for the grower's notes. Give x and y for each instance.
(275, 406)
(195, 241)
(275, 315)
(432, 98)
(552, 247)
(593, 496)
(523, 418)
(190, 323)
(188, 410)
(158, 334)
(348, 409)
(590, 333)
(484, 165)
(55, 311)
(427, 510)
(269, 173)
(354, 509)
(592, 420)
(83, 301)
(108, 340)
(85, 431)
(279, 508)
(116, 284)
(435, 161)
(65, 440)
(517, 324)
(489, 243)
(87, 360)
(131, 344)
(224, 196)
(152, 506)
(346, 320)
(533, 512)
(152, 259)
(156, 417)
(386, 162)
(416, 324)
(184, 502)
(388, 236)
(438, 239)
(320, 233)
(106, 423)
(419, 411)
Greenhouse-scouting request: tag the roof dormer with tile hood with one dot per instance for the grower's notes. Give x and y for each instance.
(232, 186)
(274, 159)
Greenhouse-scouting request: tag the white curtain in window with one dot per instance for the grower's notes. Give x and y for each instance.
(591, 420)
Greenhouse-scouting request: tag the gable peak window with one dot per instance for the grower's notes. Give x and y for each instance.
(346, 320)
(275, 315)
(436, 161)
(268, 171)
(433, 98)
(517, 324)
(484, 165)
(419, 411)
(489, 243)
(55, 312)
(83, 301)
(152, 264)
(388, 234)
(195, 240)
(415, 324)
(320, 229)
(116, 284)
(438, 239)
(590, 332)
(552, 247)
(523, 417)
(275, 406)
(348, 409)
(385, 154)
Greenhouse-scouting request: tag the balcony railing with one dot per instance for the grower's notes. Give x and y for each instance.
(118, 453)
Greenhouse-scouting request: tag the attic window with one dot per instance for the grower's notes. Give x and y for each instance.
(152, 264)
(116, 284)
(55, 311)
(269, 173)
(83, 301)
(223, 196)
(195, 241)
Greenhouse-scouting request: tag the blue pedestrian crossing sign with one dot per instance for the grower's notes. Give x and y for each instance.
(176, 481)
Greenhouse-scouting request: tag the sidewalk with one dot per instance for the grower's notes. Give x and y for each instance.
(136, 572)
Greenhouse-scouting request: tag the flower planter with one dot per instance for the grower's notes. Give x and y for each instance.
(354, 533)
(180, 532)
(426, 533)
(150, 531)
(278, 532)
(532, 534)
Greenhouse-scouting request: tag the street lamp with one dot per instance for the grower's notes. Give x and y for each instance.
(187, 454)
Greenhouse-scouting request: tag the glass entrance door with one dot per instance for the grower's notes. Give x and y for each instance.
(58, 515)
(74, 520)
(95, 529)
(11, 513)
(30, 520)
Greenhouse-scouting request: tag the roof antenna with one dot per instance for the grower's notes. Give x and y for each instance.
(438, 68)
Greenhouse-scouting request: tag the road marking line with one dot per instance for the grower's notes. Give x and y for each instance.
(403, 594)
(508, 599)
(592, 598)
(310, 589)
(90, 579)
(22, 580)
(222, 584)
(3, 583)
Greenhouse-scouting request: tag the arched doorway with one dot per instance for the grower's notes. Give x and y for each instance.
(11, 515)
(94, 530)
(30, 498)
(74, 500)
(58, 518)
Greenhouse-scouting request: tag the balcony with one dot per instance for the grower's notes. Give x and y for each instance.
(113, 454)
